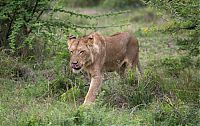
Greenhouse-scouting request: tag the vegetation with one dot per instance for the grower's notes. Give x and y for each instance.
(115, 4)
(38, 88)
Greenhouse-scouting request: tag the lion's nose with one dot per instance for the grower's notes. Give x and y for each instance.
(74, 64)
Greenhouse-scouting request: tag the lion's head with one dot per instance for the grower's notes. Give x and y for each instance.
(81, 50)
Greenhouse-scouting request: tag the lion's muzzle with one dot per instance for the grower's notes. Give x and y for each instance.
(76, 67)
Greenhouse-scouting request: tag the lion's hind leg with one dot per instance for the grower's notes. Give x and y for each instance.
(122, 69)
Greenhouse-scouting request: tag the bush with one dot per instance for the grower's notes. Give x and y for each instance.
(110, 4)
(80, 3)
(116, 4)
(166, 114)
(67, 88)
(11, 68)
(130, 92)
(184, 23)
(172, 66)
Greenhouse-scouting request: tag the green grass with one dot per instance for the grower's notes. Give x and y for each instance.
(166, 96)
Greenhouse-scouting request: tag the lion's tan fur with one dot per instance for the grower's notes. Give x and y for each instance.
(102, 54)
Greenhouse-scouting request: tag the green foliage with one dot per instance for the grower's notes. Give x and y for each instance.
(172, 65)
(169, 115)
(6, 63)
(67, 88)
(110, 4)
(71, 94)
(59, 85)
(121, 3)
(12, 69)
(17, 20)
(24, 23)
(184, 22)
(80, 3)
(131, 91)
(178, 64)
(102, 116)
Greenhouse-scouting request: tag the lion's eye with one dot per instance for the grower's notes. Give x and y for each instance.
(71, 52)
(81, 52)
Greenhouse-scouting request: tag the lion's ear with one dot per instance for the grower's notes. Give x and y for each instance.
(90, 40)
(90, 37)
(70, 39)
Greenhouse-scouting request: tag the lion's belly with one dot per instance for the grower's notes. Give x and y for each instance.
(114, 65)
(114, 58)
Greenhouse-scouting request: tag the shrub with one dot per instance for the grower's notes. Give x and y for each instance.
(183, 22)
(104, 3)
(130, 92)
(116, 4)
(68, 88)
(172, 66)
(166, 114)
(80, 3)
(11, 68)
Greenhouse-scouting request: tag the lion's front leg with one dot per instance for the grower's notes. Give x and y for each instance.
(93, 89)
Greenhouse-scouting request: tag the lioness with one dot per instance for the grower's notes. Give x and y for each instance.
(96, 54)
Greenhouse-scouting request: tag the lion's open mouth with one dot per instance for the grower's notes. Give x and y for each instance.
(77, 68)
